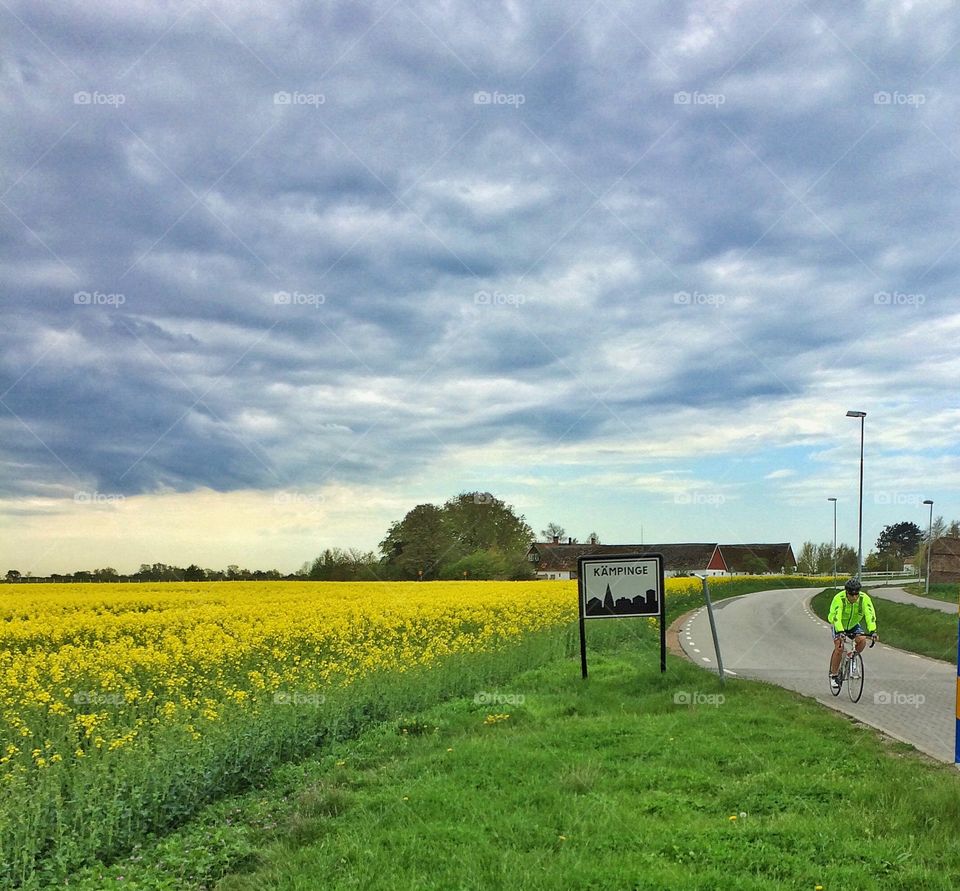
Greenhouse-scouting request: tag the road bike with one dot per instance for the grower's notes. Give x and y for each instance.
(851, 670)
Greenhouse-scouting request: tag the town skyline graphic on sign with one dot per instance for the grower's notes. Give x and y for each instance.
(623, 606)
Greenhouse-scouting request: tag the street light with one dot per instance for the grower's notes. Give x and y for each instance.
(861, 415)
(834, 500)
(929, 544)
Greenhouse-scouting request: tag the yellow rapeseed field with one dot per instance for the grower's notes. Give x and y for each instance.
(89, 667)
(96, 666)
(124, 706)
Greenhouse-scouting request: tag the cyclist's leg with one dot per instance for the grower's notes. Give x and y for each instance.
(860, 641)
(837, 651)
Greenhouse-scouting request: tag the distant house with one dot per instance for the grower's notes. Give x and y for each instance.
(558, 560)
(945, 561)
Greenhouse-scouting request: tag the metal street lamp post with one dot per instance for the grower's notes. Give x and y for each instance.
(929, 545)
(861, 415)
(834, 500)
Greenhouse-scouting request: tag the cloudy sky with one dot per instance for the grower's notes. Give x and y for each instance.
(275, 272)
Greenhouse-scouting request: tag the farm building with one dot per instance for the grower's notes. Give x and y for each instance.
(558, 560)
(945, 561)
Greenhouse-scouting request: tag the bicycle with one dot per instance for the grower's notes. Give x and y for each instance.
(851, 670)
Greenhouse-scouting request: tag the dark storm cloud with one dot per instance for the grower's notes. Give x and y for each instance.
(296, 230)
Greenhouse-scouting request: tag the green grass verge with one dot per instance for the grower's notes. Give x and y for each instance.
(629, 780)
(948, 593)
(927, 632)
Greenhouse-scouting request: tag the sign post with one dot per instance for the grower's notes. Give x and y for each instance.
(713, 625)
(621, 586)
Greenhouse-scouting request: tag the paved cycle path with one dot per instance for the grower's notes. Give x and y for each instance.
(900, 596)
(774, 636)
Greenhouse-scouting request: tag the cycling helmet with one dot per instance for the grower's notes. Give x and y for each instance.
(852, 586)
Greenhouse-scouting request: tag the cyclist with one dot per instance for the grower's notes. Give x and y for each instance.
(849, 609)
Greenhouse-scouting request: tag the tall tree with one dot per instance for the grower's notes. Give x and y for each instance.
(419, 543)
(473, 535)
(900, 539)
(553, 530)
(477, 521)
(825, 558)
(807, 559)
(846, 560)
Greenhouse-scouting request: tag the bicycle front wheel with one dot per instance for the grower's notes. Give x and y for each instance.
(855, 679)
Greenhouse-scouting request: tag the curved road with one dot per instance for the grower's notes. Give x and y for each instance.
(774, 636)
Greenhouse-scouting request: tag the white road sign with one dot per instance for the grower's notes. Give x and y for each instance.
(628, 585)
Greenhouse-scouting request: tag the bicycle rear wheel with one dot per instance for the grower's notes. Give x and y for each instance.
(855, 684)
(835, 692)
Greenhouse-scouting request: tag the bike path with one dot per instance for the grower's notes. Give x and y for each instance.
(898, 595)
(774, 636)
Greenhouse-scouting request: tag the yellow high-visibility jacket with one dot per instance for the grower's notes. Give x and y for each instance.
(845, 615)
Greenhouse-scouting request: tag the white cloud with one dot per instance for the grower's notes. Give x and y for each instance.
(780, 474)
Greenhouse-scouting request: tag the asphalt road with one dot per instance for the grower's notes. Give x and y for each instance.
(774, 636)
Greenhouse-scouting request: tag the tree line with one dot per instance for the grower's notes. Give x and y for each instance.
(897, 543)
(156, 572)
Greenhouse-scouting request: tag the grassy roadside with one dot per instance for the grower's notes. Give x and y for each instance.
(947, 592)
(925, 631)
(631, 779)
